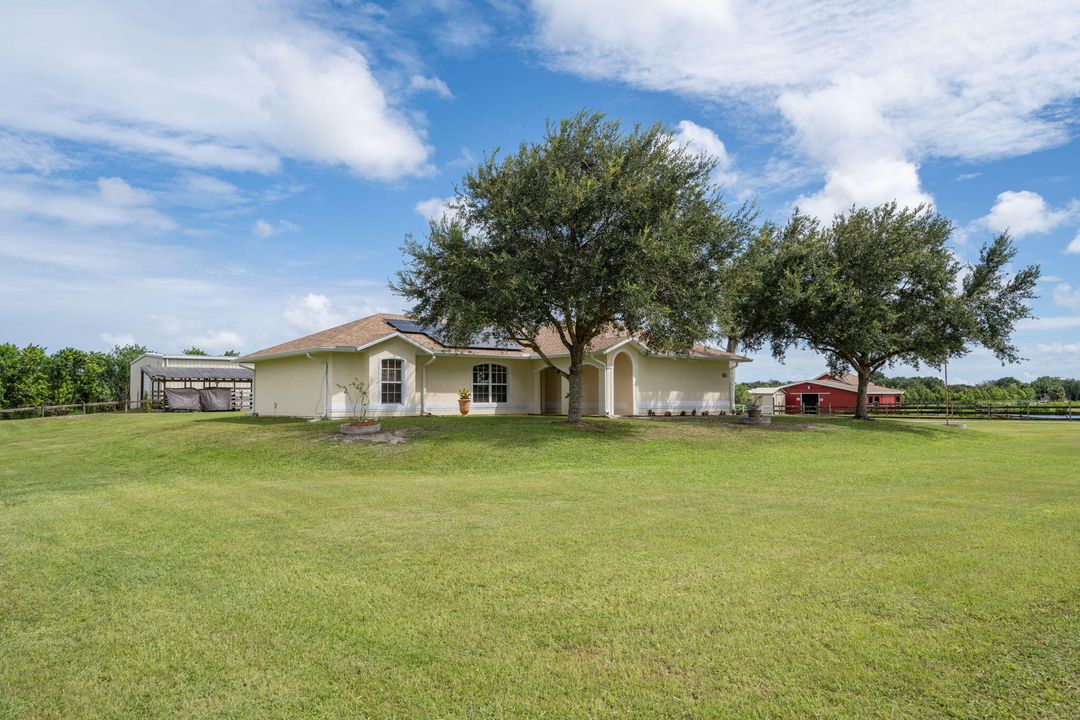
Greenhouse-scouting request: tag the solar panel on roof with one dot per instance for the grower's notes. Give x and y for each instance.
(405, 326)
(480, 341)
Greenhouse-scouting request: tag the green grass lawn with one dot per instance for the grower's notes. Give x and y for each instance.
(226, 566)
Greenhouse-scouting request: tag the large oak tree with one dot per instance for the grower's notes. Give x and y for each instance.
(876, 287)
(589, 229)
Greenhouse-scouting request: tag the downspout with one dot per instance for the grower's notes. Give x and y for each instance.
(423, 385)
(326, 384)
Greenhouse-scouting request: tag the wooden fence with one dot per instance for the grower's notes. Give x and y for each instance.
(989, 411)
(242, 400)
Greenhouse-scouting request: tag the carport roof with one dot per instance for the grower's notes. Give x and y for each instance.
(200, 373)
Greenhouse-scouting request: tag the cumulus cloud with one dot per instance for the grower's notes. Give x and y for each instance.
(1073, 247)
(116, 191)
(235, 85)
(434, 208)
(703, 141)
(312, 312)
(264, 229)
(430, 84)
(868, 89)
(1024, 213)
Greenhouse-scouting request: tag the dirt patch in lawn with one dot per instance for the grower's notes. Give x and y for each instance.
(386, 437)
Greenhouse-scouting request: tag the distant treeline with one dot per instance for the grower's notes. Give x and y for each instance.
(30, 376)
(932, 389)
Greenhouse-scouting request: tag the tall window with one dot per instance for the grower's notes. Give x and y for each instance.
(390, 382)
(490, 383)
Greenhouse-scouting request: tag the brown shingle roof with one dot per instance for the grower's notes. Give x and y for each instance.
(373, 328)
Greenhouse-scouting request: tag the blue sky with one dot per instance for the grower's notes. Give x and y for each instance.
(236, 176)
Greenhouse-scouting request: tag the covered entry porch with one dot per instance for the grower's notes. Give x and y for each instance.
(607, 388)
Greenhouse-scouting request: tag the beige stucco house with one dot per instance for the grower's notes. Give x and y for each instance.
(409, 371)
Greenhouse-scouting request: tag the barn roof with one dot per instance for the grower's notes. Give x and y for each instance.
(848, 381)
(375, 328)
(200, 373)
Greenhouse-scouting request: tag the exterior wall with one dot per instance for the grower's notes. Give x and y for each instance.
(137, 384)
(553, 389)
(677, 384)
(829, 398)
(446, 375)
(291, 386)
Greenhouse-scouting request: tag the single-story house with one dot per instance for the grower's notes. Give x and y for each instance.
(409, 370)
(152, 374)
(830, 393)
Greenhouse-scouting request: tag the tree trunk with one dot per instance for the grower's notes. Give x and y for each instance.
(573, 411)
(860, 404)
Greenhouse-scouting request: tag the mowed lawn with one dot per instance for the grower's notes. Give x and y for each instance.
(225, 566)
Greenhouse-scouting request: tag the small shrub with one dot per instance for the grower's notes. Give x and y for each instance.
(667, 413)
(652, 412)
(704, 413)
(682, 413)
(694, 411)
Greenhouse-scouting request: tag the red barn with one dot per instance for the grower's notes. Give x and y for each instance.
(828, 393)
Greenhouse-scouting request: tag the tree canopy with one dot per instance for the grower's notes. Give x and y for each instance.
(589, 229)
(876, 287)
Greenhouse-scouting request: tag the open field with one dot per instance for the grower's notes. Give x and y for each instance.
(226, 566)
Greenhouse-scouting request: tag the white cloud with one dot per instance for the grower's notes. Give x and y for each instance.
(1059, 322)
(234, 85)
(1073, 247)
(264, 229)
(116, 191)
(18, 152)
(869, 90)
(111, 203)
(216, 342)
(1023, 213)
(703, 141)
(434, 208)
(1066, 296)
(118, 339)
(430, 84)
(311, 313)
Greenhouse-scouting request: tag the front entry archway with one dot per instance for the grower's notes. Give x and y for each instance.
(624, 385)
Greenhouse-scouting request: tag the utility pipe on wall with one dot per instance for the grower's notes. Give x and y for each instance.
(326, 384)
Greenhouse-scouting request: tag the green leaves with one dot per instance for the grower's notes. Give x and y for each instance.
(876, 287)
(589, 228)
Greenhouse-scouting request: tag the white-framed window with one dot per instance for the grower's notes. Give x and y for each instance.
(391, 374)
(490, 383)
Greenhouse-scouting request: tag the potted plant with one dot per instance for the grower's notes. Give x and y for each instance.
(464, 401)
(360, 424)
(753, 408)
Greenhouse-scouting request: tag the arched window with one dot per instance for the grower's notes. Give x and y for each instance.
(490, 383)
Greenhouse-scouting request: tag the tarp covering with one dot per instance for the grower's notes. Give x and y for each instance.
(182, 398)
(215, 398)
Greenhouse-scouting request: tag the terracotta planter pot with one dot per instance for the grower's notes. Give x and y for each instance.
(360, 428)
(463, 406)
